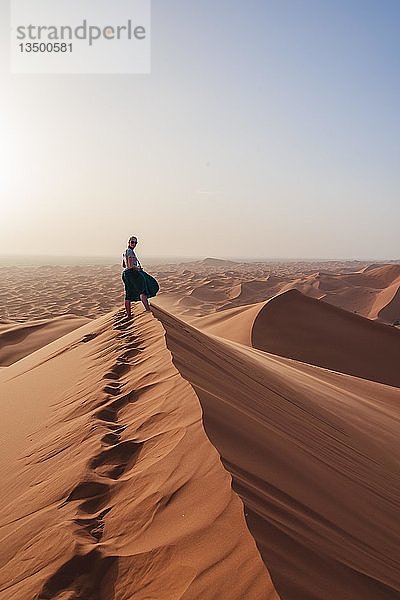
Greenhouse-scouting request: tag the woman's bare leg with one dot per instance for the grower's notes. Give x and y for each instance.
(128, 309)
(145, 301)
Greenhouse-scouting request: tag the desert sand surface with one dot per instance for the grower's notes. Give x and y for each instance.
(113, 434)
(314, 456)
(30, 292)
(314, 332)
(17, 340)
(113, 489)
(198, 288)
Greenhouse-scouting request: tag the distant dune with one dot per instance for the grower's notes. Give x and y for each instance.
(218, 262)
(199, 288)
(373, 292)
(369, 292)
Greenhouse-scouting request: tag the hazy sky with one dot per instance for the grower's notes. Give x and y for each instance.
(267, 128)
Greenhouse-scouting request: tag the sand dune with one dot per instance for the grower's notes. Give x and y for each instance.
(389, 309)
(382, 274)
(113, 490)
(372, 292)
(235, 324)
(20, 339)
(218, 262)
(315, 458)
(199, 288)
(314, 332)
(29, 292)
(367, 293)
(254, 290)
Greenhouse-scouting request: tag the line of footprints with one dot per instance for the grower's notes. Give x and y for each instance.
(82, 574)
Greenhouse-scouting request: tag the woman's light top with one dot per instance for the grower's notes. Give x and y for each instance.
(130, 253)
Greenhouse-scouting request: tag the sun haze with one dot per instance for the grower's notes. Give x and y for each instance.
(263, 130)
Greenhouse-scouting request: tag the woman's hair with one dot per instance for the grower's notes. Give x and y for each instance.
(132, 238)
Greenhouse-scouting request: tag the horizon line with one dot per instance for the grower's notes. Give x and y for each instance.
(189, 258)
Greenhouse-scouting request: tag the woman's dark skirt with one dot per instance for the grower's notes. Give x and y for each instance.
(138, 282)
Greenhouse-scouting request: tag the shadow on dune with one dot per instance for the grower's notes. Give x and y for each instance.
(315, 332)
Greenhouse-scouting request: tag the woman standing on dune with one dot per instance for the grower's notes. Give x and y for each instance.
(138, 284)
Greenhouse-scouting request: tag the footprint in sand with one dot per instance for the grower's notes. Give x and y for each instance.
(94, 494)
(87, 489)
(88, 337)
(109, 413)
(82, 576)
(127, 337)
(129, 354)
(117, 370)
(122, 324)
(111, 438)
(113, 388)
(113, 462)
(93, 526)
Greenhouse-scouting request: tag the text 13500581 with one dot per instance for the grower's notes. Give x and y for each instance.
(45, 47)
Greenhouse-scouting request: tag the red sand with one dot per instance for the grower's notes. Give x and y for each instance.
(314, 456)
(112, 489)
(19, 340)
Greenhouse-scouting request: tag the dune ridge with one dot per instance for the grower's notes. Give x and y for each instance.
(235, 324)
(118, 493)
(315, 458)
(297, 326)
